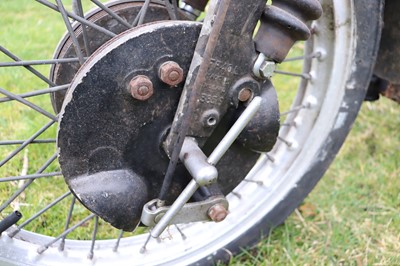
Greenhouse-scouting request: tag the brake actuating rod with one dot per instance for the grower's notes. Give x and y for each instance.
(204, 172)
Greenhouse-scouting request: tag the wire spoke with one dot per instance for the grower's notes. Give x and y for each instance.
(180, 232)
(121, 233)
(79, 11)
(29, 140)
(33, 176)
(40, 62)
(71, 32)
(96, 225)
(288, 143)
(142, 14)
(27, 103)
(55, 202)
(306, 76)
(31, 69)
(24, 186)
(16, 142)
(290, 124)
(303, 57)
(295, 109)
(37, 93)
(64, 234)
(260, 183)
(67, 223)
(78, 18)
(236, 194)
(270, 157)
(172, 9)
(112, 14)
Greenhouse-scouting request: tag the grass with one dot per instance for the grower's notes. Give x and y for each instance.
(351, 218)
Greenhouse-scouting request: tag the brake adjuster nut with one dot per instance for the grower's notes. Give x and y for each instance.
(218, 213)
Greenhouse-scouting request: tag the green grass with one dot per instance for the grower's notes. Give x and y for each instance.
(351, 218)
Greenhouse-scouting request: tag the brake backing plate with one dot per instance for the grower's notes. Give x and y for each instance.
(110, 143)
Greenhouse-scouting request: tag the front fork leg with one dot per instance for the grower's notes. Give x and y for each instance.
(229, 67)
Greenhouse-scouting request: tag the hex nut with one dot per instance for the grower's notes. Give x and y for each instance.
(267, 69)
(171, 73)
(141, 88)
(217, 213)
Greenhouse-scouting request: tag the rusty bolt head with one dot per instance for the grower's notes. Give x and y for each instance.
(245, 95)
(141, 88)
(171, 73)
(217, 213)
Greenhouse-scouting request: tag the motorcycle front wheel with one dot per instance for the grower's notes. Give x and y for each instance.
(337, 65)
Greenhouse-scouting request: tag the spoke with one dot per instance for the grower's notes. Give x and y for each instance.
(293, 110)
(39, 62)
(236, 194)
(180, 232)
(64, 234)
(25, 177)
(31, 69)
(172, 9)
(36, 93)
(260, 183)
(96, 225)
(303, 57)
(112, 14)
(288, 143)
(143, 12)
(79, 11)
(121, 233)
(143, 249)
(304, 75)
(78, 18)
(71, 32)
(27, 103)
(23, 145)
(290, 124)
(67, 223)
(270, 157)
(21, 226)
(22, 189)
(16, 142)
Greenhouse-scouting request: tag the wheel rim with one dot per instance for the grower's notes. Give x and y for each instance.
(311, 113)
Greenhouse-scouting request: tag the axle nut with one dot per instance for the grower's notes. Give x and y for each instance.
(171, 73)
(141, 88)
(217, 213)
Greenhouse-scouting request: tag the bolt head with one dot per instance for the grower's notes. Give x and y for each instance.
(141, 88)
(267, 69)
(217, 213)
(171, 73)
(245, 95)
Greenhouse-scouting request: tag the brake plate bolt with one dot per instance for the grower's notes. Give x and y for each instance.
(217, 213)
(171, 73)
(141, 88)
